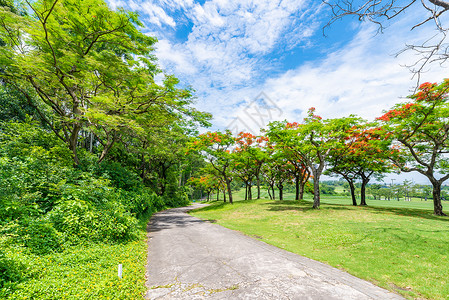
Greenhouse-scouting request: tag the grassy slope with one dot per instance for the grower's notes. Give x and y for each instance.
(82, 272)
(399, 248)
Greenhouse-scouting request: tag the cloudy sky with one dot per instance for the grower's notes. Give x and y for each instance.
(252, 62)
(232, 51)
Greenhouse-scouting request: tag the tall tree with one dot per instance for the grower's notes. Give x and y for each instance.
(420, 132)
(363, 154)
(89, 66)
(249, 158)
(312, 141)
(280, 133)
(217, 146)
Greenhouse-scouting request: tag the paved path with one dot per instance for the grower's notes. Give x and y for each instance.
(192, 259)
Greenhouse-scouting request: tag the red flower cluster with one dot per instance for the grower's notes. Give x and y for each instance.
(292, 125)
(262, 139)
(404, 111)
(311, 116)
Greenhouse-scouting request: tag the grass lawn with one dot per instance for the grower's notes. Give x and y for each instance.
(81, 272)
(400, 246)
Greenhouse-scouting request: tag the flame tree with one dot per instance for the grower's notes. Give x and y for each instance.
(420, 131)
(363, 154)
(280, 132)
(312, 141)
(249, 158)
(216, 147)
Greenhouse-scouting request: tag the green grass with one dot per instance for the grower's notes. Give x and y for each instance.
(82, 272)
(403, 249)
(339, 199)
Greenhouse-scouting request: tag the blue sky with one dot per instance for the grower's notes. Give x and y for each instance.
(231, 52)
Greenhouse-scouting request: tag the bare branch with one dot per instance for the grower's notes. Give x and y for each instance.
(433, 50)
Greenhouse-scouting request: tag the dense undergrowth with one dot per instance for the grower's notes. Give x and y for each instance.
(64, 229)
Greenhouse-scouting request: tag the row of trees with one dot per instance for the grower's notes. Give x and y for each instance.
(411, 137)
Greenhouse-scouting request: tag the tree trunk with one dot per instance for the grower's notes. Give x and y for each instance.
(436, 193)
(250, 193)
(352, 189)
(224, 195)
(363, 192)
(246, 191)
(316, 191)
(258, 187)
(218, 194)
(269, 193)
(301, 190)
(107, 147)
(281, 191)
(228, 185)
(91, 138)
(208, 196)
(272, 191)
(304, 181)
(297, 187)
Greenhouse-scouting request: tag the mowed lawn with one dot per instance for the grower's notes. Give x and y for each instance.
(399, 248)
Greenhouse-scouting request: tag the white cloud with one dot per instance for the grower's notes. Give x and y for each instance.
(174, 59)
(156, 14)
(224, 59)
(362, 78)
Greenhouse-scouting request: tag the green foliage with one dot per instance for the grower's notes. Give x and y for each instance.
(83, 87)
(94, 62)
(327, 189)
(10, 272)
(87, 271)
(40, 236)
(120, 177)
(179, 198)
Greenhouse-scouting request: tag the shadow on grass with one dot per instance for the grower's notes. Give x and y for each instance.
(302, 205)
(213, 205)
(305, 205)
(408, 212)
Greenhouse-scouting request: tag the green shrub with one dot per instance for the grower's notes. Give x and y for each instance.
(80, 221)
(180, 198)
(120, 177)
(10, 271)
(40, 236)
(140, 202)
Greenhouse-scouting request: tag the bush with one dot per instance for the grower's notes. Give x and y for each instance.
(180, 198)
(40, 236)
(80, 221)
(10, 271)
(120, 177)
(141, 202)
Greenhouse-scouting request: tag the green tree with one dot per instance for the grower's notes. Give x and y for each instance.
(313, 141)
(216, 147)
(208, 183)
(279, 133)
(362, 155)
(420, 130)
(249, 158)
(84, 67)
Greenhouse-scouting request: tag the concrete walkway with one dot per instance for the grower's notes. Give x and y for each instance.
(192, 259)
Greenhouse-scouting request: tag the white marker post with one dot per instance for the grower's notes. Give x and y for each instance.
(120, 271)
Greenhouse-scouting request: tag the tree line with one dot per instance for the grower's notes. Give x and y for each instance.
(410, 137)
